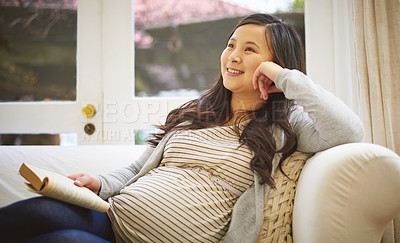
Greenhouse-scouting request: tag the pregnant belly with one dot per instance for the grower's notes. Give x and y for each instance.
(175, 204)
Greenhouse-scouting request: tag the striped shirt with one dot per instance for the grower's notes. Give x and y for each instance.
(190, 196)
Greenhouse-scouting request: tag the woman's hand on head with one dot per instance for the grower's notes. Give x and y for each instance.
(264, 78)
(85, 180)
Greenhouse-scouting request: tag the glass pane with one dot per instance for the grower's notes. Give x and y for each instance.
(38, 50)
(64, 139)
(178, 43)
(142, 135)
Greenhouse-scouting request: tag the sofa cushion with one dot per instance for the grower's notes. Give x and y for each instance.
(278, 209)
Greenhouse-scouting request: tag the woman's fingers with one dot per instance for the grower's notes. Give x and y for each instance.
(268, 83)
(86, 180)
(78, 179)
(75, 177)
(263, 83)
(263, 78)
(257, 76)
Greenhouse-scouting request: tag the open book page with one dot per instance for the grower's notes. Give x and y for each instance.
(62, 188)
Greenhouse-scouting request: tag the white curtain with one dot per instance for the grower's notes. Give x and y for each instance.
(377, 54)
(377, 46)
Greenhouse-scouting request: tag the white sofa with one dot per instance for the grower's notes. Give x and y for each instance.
(348, 193)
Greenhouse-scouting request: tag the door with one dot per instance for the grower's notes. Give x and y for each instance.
(49, 116)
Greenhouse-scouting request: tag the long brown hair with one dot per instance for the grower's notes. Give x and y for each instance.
(213, 108)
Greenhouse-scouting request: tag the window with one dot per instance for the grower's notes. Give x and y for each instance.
(38, 50)
(51, 91)
(124, 83)
(37, 58)
(178, 43)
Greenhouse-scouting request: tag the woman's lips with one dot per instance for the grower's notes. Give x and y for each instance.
(233, 72)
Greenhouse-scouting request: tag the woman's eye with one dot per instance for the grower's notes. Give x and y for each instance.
(249, 49)
(230, 45)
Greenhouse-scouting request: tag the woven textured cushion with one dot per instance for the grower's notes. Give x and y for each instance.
(278, 208)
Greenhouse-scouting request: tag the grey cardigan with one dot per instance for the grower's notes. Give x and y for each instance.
(320, 121)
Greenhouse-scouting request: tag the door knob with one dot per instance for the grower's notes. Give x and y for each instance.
(89, 111)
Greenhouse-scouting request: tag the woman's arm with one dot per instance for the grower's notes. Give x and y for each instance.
(320, 119)
(110, 184)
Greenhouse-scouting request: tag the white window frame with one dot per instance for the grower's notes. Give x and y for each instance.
(123, 113)
(330, 55)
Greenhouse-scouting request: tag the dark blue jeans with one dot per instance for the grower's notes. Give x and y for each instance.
(42, 219)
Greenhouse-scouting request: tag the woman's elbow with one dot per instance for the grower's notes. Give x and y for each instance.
(356, 132)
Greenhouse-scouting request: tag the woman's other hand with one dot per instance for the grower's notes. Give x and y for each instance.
(264, 78)
(85, 180)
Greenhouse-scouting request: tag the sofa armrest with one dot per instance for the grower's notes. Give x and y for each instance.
(348, 193)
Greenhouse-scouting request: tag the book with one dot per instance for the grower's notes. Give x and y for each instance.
(54, 185)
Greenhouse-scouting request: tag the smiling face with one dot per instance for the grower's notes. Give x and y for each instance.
(246, 50)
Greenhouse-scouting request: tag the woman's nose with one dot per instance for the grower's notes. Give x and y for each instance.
(235, 57)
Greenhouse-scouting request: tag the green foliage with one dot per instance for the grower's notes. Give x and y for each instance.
(298, 4)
